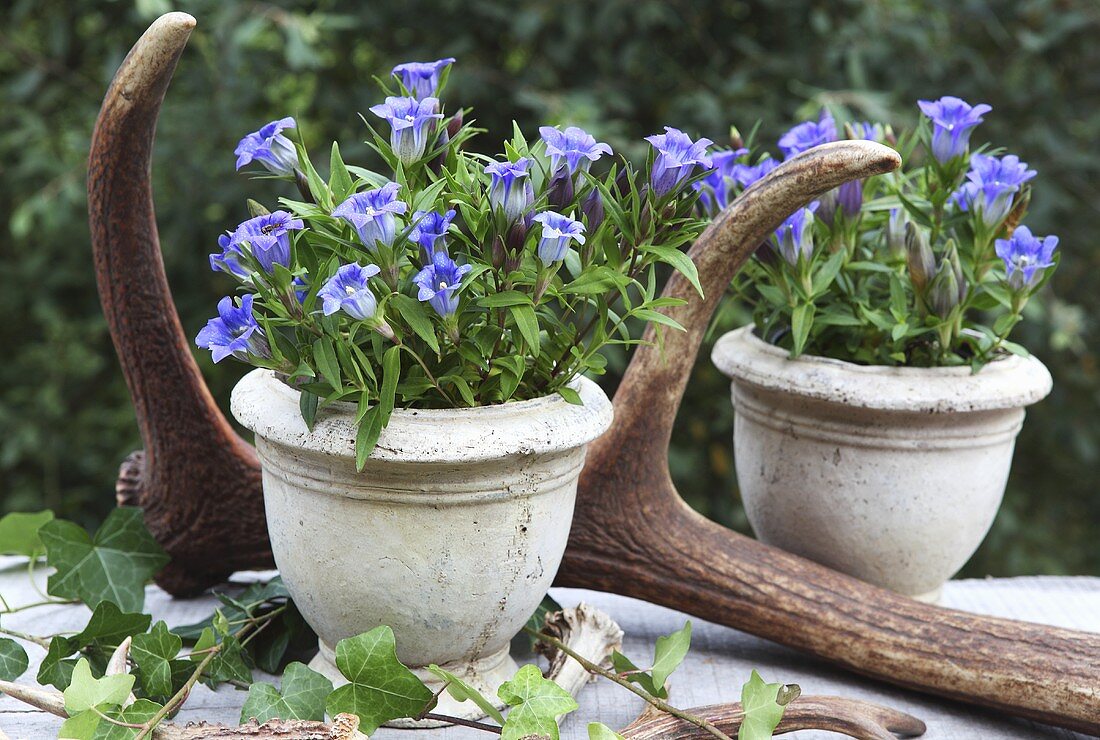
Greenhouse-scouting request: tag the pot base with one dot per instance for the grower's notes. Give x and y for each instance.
(485, 674)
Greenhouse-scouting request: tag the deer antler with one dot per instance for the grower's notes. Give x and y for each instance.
(632, 533)
(198, 482)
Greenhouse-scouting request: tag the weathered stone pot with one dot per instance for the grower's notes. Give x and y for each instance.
(893, 475)
(451, 534)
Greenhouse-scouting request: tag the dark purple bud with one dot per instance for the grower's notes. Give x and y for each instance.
(622, 184)
(766, 254)
(922, 263)
(454, 125)
(592, 208)
(498, 252)
(517, 236)
(736, 140)
(560, 193)
(303, 186)
(850, 198)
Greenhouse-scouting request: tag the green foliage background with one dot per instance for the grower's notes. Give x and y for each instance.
(621, 69)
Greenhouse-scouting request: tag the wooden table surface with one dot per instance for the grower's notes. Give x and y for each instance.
(719, 661)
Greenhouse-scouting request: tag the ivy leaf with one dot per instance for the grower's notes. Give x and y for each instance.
(381, 687)
(600, 731)
(154, 654)
(537, 703)
(19, 533)
(13, 659)
(634, 674)
(226, 665)
(57, 669)
(87, 692)
(463, 691)
(303, 697)
(112, 566)
(762, 711)
(109, 626)
(90, 726)
(669, 654)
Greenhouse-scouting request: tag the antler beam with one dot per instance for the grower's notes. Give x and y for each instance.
(632, 534)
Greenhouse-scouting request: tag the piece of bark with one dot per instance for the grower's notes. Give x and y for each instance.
(587, 631)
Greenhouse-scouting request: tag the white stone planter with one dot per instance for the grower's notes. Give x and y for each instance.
(893, 475)
(451, 535)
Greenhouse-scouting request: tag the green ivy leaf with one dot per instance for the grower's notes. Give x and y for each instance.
(669, 654)
(13, 659)
(303, 697)
(536, 704)
(600, 731)
(108, 627)
(762, 711)
(112, 566)
(227, 665)
(19, 533)
(462, 691)
(87, 692)
(634, 674)
(154, 653)
(381, 687)
(56, 668)
(90, 726)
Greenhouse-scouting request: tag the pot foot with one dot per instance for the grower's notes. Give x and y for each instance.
(929, 597)
(484, 674)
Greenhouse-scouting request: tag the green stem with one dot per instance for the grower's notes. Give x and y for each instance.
(40, 641)
(614, 678)
(463, 722)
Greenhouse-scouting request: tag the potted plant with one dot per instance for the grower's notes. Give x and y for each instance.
(877, 395)
(422, 332)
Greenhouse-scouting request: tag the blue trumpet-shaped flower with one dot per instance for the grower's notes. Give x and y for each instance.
(229, 259)
(677, 157)
(439, 281)
(557, 232)
(373, 214)
(991, 185)
(234, 332)
(510, 187)
(952, 121)
(716, 189)
(1026, 256)
(430, 232)
(421, 79)
(413, 125)
(572, 149)
(808, 135)
(795, 238)
(349, 291)
(268, 238)
(746, 174)
(270, 147)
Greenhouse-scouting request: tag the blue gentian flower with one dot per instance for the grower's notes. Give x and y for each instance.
(510, 187)
(372, 213)
(229, 259)
(1025, 256)
(991, 185)
(300, 294)
(268, 238)
(412, 125)
(952, 121)
(349, 291)
(849, 198)
(795, 236)
(234, 332)
(716, 189)
(677, 157)
(574, 148)
(895, 233)
(557, 232)
(866, 130)
(746, 174)
(430, 232)
(439, 282)
(270, 148)
(808, 135)
(421, 79)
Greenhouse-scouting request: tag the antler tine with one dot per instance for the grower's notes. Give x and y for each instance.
(198, 482)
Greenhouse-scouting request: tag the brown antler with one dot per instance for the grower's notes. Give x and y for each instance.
(198, 482)
(200, 485)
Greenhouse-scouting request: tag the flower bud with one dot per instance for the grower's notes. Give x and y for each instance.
(895, 234)
(593, 211)
(922, 263)
(560, 192)
(736, 140)
(454, 124)
(1019, 210)
(517, 235)
(498, 252)
(948, 288)
(256, 209)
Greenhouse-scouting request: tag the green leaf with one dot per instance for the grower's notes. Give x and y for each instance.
(307, 404)
(681, 262)
(380, 688)
(570, 395)
(670, 653)
(762, 711)
(536, 704)
(391, 373)
(600, 731)
(504, 299)
(226, 665)
(802, 320)
(656, 317)
(154, 654)
(139, 712)
(13, 659)
(462, 691)
(413, 313)
(634, 674)
(109, 626)
(324, 355)
(86, 691)
(19, 533)
(303, 697)
(79, 727)
(339, 179)
(56, 670)
(112, 566)
(528, 325)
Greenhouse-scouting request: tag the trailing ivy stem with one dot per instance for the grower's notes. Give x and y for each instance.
(613, 677)
(179, 696)
(37, 604)
(464, 722)
(40, 641)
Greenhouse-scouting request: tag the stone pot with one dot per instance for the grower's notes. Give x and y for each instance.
(890, 474)
(451, 534)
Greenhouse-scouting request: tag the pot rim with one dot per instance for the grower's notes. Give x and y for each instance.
(268, 407)
(1006, 383)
